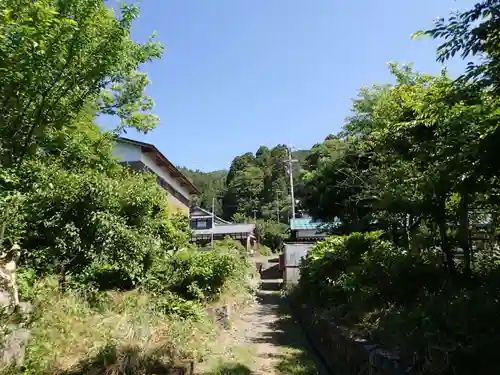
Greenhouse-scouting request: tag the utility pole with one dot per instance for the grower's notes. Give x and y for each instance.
(214, 198)
(290, 162)
(254, 214)
(213, 223)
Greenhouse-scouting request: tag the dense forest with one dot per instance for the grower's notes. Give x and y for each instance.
(256, 185)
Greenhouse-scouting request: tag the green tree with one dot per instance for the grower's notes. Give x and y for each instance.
(413, 150)
(56, 56)
(211, 185)
(473, 33)
(245, 189)
(267, 197)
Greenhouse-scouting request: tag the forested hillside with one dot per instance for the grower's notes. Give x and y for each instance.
(256, 185)
(210, 184)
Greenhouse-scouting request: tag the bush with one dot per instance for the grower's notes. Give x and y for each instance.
(196, 275)
(69, 334)
(406, 300)
(271, 234)
(97, 228)
(228, 244)
(265, 251)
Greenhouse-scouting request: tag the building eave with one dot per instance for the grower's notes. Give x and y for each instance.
(209, 214)
(162, 159)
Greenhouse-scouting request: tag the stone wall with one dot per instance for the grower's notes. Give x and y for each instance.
(15, 316)
(14, 331)
(342, 352)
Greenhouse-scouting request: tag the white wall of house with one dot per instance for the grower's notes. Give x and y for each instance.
(177, 204)
(309, 234)
(161, 171)
(133, 153)
(127, 152)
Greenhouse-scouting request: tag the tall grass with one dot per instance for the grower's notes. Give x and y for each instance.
(122, 331)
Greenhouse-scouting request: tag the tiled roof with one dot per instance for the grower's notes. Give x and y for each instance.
(308, 223)
(171, 167)
(205, 213)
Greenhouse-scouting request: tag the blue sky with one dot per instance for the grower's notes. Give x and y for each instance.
(238, 74)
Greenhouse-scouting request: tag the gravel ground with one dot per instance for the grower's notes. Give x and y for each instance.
(263, 338)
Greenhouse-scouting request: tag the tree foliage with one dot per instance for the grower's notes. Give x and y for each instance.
(417, 161)
(474, 33)
(211, 185)
(255, 184)
(404, 300)
(75, 211)
(59, 56)
(408, 152)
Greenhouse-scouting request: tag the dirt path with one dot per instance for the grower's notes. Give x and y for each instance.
(264, 339)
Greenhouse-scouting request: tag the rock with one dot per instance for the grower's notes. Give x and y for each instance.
(223, 315)
(25, 308)
(12, 351)
(4, 299)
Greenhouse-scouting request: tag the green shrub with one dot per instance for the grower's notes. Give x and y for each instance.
(406, 300)
(265, 251)
(195, 275)
(173, 305)
(271, 234)
(330, 259)
(228, 244)
(97, 228)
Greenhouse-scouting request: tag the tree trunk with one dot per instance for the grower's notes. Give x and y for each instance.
(445, 243)
(463, 231)
(493, 237)
(406, 235)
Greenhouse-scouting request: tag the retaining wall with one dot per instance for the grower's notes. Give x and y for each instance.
(341, 352)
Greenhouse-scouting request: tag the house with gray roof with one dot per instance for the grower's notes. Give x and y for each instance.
(204, 226)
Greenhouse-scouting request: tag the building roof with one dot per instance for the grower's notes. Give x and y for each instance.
(207, 214)
(305, 223)
(162, 159)
(226, 229)
(308, 223)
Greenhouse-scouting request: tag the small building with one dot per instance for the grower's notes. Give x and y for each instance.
(142, 156)
(203, 228)
(202, 219)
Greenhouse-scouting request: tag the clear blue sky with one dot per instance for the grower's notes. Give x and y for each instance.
(238, 74)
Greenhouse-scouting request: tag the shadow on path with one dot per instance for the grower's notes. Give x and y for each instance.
(230, 369)
(295, 356)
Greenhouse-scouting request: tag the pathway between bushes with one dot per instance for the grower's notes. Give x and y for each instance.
(263, 338)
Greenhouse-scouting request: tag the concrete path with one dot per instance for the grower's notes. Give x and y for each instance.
(264, 339)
